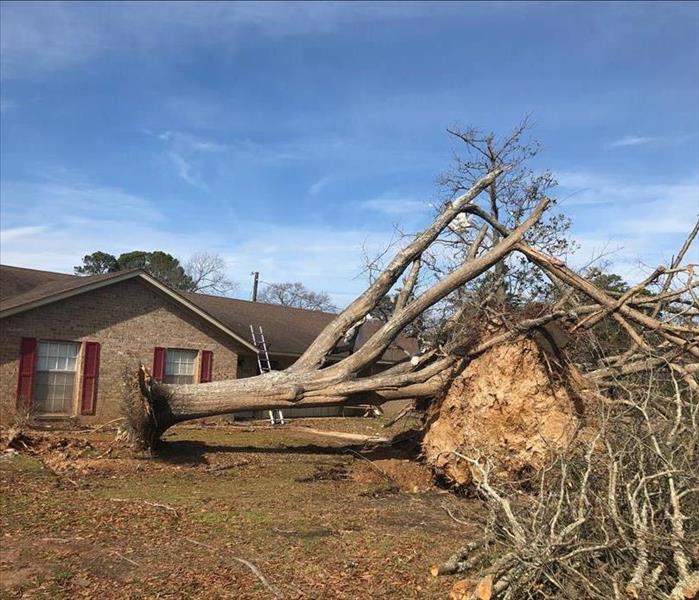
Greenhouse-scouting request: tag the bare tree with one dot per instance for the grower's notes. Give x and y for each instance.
(207, 273)
(614, 514)
(306, 382)
(296, 295)
(508, 200)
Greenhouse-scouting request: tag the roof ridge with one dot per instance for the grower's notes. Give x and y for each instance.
(87, 277)
(289, 330)
(56, 289)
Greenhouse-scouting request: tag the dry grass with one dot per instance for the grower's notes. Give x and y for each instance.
(96, 527)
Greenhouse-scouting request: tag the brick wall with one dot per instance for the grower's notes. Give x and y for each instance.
(128, 319)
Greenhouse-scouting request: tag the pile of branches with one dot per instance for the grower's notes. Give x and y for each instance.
(615, 515)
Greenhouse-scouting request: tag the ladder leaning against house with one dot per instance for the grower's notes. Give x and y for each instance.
(276, 417)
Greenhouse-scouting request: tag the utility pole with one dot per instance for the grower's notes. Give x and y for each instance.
(255, 282)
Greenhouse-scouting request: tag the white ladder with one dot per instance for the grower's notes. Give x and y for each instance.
(276, 417)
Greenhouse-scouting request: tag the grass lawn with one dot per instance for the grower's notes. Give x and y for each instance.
(316, 520)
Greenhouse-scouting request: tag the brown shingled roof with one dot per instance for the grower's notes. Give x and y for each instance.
(16, 280)
(401, 348)
(287, 330)
(31, 288)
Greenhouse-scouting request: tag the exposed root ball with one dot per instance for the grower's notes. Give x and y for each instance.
(509, 407)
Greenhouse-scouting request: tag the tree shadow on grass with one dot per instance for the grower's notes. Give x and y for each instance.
(194, 452)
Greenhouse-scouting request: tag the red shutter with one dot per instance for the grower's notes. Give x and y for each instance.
(207, 363)
(27, 357)
(91, 368)
(159, 364)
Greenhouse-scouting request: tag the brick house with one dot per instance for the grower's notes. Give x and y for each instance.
(66, 341)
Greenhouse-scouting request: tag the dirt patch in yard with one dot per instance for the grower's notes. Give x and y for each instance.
(407, 475)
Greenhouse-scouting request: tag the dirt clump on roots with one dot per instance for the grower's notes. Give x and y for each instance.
(512, 406)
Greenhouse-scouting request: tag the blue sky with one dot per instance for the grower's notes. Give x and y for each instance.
(286, 136)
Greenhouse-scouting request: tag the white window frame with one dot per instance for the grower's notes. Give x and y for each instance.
(62, 358)
(177, 366)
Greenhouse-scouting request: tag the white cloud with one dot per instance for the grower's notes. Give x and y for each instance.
(38, 38)
(59, 197)
(17, 233)
(639, 140)
(394, 205)
(185, 169)
(632, 140)
(323, 258)
(191, 142)
(190, 153)
(636, 225)
(185, 150)
(580, 188)
(52, 225)
(318, 186)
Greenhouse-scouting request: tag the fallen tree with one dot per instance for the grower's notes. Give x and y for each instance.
(613, 514)
(314, 381)
(507, 404)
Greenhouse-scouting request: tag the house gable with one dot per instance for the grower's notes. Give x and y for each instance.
(61, 289)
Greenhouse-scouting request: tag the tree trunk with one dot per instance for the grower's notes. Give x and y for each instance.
(170, 404)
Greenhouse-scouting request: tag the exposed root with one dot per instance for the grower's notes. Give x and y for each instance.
(613, 517)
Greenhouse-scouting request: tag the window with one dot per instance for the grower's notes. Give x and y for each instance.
(54, 384)
(179, 366)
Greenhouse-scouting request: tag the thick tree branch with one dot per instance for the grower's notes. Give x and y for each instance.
(359, 308)
(408, 287)
(468, 271)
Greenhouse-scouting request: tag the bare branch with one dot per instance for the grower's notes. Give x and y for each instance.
(331, 335)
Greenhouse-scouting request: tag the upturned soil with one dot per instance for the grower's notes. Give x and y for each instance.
(512, 407)
(83, 518)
